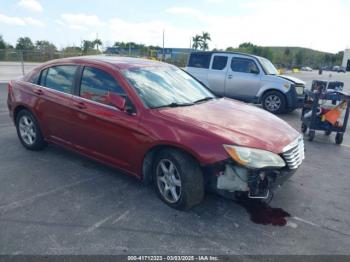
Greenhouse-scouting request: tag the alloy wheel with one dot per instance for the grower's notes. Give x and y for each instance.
(168, 181)
(27, 130)
(272, 103)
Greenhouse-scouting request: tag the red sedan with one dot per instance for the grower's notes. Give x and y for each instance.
(156, 122)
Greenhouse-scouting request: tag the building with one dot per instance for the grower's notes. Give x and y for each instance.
(173, 53)
(123, 51)
(346, 60)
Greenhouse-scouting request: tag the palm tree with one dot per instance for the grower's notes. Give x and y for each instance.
(205, 38)
(197, 40)
(97, 42)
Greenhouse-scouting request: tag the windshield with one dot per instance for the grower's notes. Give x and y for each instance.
(269, 68)
(166, 86)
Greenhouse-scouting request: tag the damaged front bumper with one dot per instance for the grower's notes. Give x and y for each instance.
(256, 183)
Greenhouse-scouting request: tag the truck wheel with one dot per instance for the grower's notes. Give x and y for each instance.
(274, 102)
(178, 179)
(28, 131)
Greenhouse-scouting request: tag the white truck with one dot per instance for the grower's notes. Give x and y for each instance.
(247, 78)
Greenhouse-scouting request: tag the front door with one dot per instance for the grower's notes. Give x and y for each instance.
(242, 79)
(101, 130)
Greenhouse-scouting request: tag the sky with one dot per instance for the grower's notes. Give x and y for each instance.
(317, 24)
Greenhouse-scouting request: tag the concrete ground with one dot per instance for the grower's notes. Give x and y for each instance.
(57, 202)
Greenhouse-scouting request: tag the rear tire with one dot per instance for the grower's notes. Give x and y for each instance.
(178, 179)
(28, 131)
(274, 102)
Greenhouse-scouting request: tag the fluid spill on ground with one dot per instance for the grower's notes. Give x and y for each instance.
(262, 213)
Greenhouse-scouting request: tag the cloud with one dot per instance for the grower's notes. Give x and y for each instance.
(276, 23)
(214, 1)
(182, 10)
(117, 29)
(20, 21)
(31, 5)
(150, 32)
(80, 22)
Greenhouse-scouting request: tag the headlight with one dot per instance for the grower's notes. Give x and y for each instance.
(254, 158)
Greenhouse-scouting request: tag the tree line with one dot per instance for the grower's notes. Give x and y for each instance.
(287, 57)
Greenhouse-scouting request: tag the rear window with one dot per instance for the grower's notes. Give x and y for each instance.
(60, 78)
(34, 79)
(219, 62)
(201, 60)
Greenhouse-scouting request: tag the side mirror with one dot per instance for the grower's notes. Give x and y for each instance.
(117, 101)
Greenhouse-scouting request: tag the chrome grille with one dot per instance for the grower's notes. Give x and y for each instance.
(294, 153)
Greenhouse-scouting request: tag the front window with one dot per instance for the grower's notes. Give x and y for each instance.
(166, 86)
(269, 68)
(97, 84)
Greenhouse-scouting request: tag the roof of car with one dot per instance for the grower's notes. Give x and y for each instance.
(224, 52)
(120, 62)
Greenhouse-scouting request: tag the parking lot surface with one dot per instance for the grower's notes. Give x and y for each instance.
(57, 202)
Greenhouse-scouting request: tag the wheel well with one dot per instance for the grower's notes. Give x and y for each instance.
(149, 158)
(17, 110)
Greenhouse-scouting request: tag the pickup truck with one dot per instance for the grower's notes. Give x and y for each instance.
(248, 78)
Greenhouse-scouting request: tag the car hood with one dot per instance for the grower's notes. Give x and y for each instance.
(292, 79)
(235, 123)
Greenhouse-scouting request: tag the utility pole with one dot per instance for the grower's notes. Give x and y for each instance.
(163, 47)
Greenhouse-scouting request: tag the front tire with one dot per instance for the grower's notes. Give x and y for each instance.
(274, 102)
(178, 179)
(28, 131)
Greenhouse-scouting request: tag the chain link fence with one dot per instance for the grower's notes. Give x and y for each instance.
(16, 63)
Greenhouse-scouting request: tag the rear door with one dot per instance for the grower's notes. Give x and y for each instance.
(100, 129)
(54, 105)
(243, 79)
(217, 73)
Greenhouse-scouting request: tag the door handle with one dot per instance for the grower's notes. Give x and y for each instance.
(38, 91)
(229, 76)
(80, 105)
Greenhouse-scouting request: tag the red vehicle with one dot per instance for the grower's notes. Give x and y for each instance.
(156, 122)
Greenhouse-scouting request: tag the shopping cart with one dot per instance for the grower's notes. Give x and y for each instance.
(325, 109)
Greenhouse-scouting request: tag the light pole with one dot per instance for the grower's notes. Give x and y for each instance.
(163, 46)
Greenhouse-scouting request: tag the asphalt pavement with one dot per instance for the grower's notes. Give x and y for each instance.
(57, 202)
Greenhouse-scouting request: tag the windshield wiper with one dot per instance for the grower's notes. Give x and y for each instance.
(204, 99)
(174, 104)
